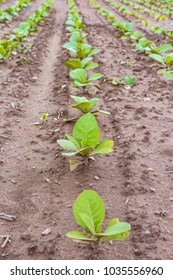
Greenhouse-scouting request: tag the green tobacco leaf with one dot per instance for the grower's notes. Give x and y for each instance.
(117, 228)
(73, 140)
(79, 99)
(168, 75)
(129, 80)
(84, 106)
(88, 222)
(105, 147)
(95, 76)
(71, 46)
(93, 102)
(117, 231)
(79, 84)
(91, 65)
(169, 59)
(89, 203)
(79, 236)
(73, 63)
(135, 35)
(165, 48)
(120, 236)
(112, 222)
(76, 37)
(86, 129)
(84, 152)
(138, 47)
(85, 61)
(144, 42)
(93, 52)
(79, 75)
(67, 145)
(158, 58)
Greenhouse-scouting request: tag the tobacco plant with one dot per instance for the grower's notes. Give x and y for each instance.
(7, 48)
(86, 63)
(85, 140)
(89, 214)
(81, 79)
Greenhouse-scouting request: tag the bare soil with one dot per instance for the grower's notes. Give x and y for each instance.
(135, 181)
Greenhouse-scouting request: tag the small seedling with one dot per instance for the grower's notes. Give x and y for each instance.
(89, 213)
(126, 81)
(44, 117)
(85, 105)
(81, 78)
(85, 140)
(82, 64)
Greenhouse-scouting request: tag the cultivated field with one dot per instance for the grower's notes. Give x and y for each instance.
(49, 51)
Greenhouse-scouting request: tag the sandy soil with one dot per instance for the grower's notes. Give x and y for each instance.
(135, 181)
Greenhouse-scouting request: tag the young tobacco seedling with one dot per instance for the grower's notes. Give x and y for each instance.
(81, 80)
(164, 60)
(85, 63)
(85, 105)
(127, 81)
(89, 213)
(85, 140)
(44, 117)
(80, 50)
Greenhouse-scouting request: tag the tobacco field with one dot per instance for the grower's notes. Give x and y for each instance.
(86, 129)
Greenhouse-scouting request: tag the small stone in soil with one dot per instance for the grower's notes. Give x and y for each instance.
(46, 231)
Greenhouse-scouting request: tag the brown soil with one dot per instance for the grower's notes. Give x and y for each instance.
(135, 181)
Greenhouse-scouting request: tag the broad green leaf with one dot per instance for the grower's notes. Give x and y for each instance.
(79, 236)
(165, 48)
(95, 76)
(93, 52)
(105, 147)
(139, 47)
(86, 128)
(79, 75)
(85, 61)
(67, 145)
(135, 35)
(71, 46)
(88, 222)
(112, 222)
(84, 151)
(73, 63)
(73, 140)
(76, 36)
(116, 231)
(169, 59)
(117, 228)
(144, 42)
(93, 102)
(79, 84)
(90, 204)
(129, 80)
(91, 65)
(168, 75)
(158, 58)
(120, 236)
(84, 106)
(79, 99)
